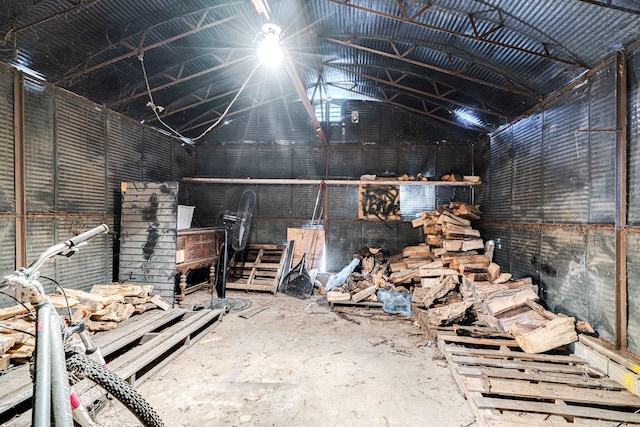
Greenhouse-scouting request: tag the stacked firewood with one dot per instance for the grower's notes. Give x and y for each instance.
(101, 309)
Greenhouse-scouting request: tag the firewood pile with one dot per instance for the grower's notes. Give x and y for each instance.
(101, 309)
(454, 281)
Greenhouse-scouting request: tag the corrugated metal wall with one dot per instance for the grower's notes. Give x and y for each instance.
(385, 140)
(633, 241)
(550, 201)
(77, 153)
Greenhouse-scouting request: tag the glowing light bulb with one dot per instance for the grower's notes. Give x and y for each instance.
(270, 51)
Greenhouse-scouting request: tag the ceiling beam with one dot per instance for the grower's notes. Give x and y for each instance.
(609, 5)
(424, 111)
(140, 48)
(394, 83)
(457, 73)
(405, 18)
(290, 68)
(179, 78)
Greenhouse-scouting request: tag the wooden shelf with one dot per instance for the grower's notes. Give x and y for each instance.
(326, 181)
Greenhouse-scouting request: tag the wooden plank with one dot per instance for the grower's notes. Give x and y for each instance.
(574, 379)
(16, 387)
(514, 364)
(478, 341)
(562, 410)
(517, 388)
(551, 358)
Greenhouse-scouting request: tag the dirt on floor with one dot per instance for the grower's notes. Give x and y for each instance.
(298, 363)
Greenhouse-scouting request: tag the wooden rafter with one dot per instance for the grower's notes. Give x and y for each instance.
(413, 20)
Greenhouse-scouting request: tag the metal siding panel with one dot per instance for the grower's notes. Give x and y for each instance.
(527, 170)
(210, 161)
(124, 157)
(343, 202)
(563, 272)
(274, 162)
(8, 247)
(344, 240)
(380, 160)
(92, 264)
(268, 232)
(524, 252)
(182, 162)
(274, 201)
(602, 117)
(39, 147)
(307, 161)
(566, 159)
(40, 236)
(303, 199)
(407, 236)
(501, 164)
(415, 199)
(157, 158)
(7, 190)
(601, 268)
(633, 281)
(482, 168)
(80, 155)
(346, 162)
(380, 234)
(148, 224)
(633, 186)
(502, 237)
(444, 195)
(453, 158)
(416, 159)
(241, 161)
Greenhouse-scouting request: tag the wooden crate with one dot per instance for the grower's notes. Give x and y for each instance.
(507, 387)
(258, 268)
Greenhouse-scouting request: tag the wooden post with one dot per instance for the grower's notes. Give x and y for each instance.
(19, 169)
(621, 203)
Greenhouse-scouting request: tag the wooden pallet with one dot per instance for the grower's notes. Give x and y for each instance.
(259, 269)
(135, 350)
(507, 387)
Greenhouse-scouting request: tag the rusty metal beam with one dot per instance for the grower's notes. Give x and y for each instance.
(405, 18)
(141, 48)
(607, 4)
(621, 294)
(393, 83)
(424, 112)
(179, 79)
(302, 93)
(403, 58)
(19, 169)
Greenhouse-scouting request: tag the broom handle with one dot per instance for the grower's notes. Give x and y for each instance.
(313, 219)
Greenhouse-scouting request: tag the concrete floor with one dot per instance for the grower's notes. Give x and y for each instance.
(297, 363)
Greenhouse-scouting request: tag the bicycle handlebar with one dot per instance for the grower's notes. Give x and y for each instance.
(75, 241)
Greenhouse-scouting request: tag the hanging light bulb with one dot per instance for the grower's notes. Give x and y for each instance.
(270, 50)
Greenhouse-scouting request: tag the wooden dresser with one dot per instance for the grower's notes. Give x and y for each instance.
(197, 248)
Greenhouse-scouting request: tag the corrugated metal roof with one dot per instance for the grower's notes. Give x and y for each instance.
(501, 56)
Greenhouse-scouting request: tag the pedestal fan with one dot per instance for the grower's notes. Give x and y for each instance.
(237, 226)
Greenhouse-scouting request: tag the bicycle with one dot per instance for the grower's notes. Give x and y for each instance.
(71, 384)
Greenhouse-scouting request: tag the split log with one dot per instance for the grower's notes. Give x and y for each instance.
(124, 289)
(448, 314)
(93, 325)
(493, 271)
(442, 288)
(336, 296)
(472, 244)
(452, 231)
(555, 333)
(502, 304)
(503, 278)
(160, 302)
(6, 342)
(452, 245)
(404, 276)
(364, 294)
(416, 251)
(436, 272)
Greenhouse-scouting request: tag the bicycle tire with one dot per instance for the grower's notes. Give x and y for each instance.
(109, 399)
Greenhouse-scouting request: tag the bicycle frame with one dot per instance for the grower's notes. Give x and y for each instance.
(52, 396)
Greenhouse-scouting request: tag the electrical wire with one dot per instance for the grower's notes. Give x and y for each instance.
(64, 294)
(155, 108)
